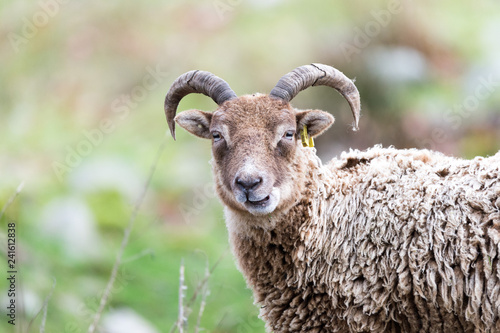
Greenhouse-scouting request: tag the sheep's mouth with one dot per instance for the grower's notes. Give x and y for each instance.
(263, 206)
(262, 202)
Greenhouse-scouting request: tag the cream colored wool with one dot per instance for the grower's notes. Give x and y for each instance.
(384, 241)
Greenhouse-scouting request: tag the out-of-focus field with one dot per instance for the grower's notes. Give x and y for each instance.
(81, 121)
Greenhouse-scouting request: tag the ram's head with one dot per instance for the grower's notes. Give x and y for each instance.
(255, 138)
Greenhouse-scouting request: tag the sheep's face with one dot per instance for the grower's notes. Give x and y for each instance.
(255, 139)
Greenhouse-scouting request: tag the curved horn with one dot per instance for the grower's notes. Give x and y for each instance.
(318, 75)
(195, 82)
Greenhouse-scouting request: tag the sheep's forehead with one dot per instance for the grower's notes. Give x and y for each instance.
(254, 113)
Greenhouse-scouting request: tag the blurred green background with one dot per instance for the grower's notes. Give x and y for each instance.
(81, 120)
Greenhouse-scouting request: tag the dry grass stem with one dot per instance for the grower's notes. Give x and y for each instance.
(182, 320)
(204, 295)
(11, 199)
(201, 289)
(128, 230)
(44, 308)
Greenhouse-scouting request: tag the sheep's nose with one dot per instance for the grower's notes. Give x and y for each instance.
(248, 184)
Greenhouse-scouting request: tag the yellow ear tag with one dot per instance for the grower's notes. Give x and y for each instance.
(307, 141)
(311, 142)
(304, 137)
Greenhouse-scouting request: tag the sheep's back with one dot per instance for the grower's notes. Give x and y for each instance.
(407, 236)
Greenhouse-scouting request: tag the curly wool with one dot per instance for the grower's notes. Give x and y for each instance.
(384, 240)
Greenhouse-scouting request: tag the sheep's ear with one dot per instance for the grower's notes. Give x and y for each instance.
(195, 122)
(317, 121)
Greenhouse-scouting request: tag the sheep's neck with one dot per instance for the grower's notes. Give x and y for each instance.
(268, 260)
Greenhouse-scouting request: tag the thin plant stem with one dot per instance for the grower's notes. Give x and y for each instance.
(126, 236)
(44, 309)
(11, 199)
(203, 282)
(181, 321)
(201, 285)
(139, 255)
(204, 295)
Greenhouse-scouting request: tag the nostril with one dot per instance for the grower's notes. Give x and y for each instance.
(256, 182)
(247, 184)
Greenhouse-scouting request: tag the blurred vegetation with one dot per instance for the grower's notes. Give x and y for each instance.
(81, 120)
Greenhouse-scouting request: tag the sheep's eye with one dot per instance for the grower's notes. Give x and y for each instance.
(289, 135)
(216, 136)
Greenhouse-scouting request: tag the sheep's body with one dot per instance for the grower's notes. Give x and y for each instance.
(384, 240)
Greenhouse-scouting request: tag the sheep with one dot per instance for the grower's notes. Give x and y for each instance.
(382, 240)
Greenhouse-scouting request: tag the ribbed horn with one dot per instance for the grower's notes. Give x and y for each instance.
(318, 75)
(195, 82)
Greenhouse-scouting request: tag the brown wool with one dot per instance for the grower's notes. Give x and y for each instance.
(380, 241)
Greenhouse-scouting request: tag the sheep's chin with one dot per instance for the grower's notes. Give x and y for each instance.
(266, 206)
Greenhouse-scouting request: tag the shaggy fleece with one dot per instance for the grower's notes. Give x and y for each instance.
(383, 240)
